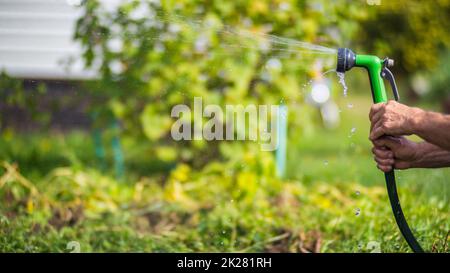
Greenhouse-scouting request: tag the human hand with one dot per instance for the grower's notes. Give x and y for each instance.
(392, 118)
(397, 152)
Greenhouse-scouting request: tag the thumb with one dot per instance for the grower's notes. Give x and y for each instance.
(388, 141)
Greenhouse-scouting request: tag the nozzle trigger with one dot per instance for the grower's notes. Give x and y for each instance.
(387, 74)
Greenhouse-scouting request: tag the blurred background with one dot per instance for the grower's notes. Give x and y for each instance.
(86, 91)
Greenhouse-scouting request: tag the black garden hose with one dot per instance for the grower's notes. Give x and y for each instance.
(398, 213)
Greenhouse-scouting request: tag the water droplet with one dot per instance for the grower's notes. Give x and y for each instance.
(341, 77)
(350, 105)
(224, 232)
(352, 132)
(325, 162)
(357, 193)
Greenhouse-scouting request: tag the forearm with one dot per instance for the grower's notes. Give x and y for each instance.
(433, 127)
(431, 156)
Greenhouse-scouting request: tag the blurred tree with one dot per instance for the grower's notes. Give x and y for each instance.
(415, 33)
(153, 55)
(440, 83)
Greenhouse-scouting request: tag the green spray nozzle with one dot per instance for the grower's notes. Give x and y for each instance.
(376, 67)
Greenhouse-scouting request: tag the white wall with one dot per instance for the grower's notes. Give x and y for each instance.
(36, 40)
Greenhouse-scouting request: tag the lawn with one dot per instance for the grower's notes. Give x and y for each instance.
(56, 196)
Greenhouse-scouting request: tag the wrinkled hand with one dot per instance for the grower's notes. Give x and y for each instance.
(392, 118)
(397, 152)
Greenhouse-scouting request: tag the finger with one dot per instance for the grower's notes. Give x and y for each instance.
(384, 128)
(384, 162)
(375, 108)
(387, 141)
(382, 153)
(384, 168)
(381, 141)
(376, 117)
(377, 133)
(375, 125)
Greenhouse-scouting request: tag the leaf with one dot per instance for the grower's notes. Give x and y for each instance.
(154, 124)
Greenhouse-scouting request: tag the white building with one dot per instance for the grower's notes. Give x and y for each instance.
(36, 40)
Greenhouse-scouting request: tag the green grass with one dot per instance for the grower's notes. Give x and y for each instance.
(53, 191)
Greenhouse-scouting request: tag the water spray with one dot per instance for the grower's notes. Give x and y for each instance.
(378, 70)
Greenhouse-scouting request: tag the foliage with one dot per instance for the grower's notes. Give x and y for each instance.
(414, 32)
(154, 55)
(416, 35)
(440, 81)
(233, 206)
(212, 210)
(13, 94)
(218, 196)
